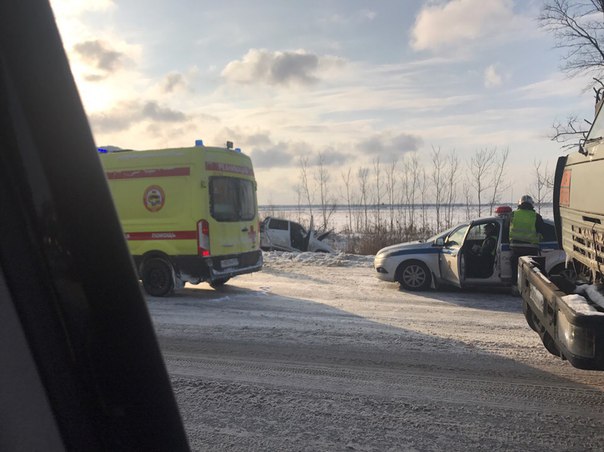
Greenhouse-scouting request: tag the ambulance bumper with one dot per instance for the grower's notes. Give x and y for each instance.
(217, 267)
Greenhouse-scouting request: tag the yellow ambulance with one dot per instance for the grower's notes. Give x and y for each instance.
(189, 214)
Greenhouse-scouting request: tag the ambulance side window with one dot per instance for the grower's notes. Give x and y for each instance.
(232, 199)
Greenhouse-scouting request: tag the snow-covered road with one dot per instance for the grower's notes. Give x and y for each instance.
(315, 354)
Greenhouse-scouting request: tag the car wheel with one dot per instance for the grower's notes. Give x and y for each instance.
(157, 276)
(217, 283)
(414, 275)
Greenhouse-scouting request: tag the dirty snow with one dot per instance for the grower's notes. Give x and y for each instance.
(315, 354)
(593, 292)
(338, 259)
(580, 305)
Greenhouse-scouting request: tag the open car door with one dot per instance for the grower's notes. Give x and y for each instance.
(450, 257)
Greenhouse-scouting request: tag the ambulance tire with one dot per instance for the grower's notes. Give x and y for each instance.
(218, 283)
(158, 277)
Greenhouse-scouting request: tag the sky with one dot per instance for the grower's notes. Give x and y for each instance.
(344, 82)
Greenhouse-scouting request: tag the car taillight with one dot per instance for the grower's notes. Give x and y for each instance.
(203, 238)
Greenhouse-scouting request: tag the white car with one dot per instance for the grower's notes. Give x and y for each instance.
(286, 235)
(450, 258)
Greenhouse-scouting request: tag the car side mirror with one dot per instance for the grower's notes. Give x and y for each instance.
(439, 242)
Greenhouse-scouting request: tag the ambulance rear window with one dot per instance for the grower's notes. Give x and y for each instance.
(232, 199)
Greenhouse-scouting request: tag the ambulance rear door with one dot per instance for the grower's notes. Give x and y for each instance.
(234, 213)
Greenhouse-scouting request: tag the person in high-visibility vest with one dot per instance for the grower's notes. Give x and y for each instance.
(526, 227)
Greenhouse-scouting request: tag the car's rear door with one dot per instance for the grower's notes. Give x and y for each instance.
(278, 233)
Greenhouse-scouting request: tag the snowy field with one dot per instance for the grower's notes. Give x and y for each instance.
(342, 217)
(315, 354)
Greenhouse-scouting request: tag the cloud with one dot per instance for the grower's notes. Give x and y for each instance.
(172, 82)
(152, 110)
(492, 77)
(355, 18)
(389, 145)
(287, 154)
(259, 139)
(276, 156)
(129, 113)
(260, 66)
(458, 22)
(330, 157)
(99, 55)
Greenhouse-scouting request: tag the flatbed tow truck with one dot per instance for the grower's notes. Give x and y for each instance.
(567, 311)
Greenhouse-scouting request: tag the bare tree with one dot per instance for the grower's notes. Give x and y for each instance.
(569, 132)
(543, 185)
(452, 163)
(422, 185)
(348, 196)
(377, 172)
(298, 190)
(438, 180)
(499, 184)
(467, 196)
(411, 180)
(326, 199)
(578, 28)
(305, 187)
(480, 167)
(363, 175)
(391, 190)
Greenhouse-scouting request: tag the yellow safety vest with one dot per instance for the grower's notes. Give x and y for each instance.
(522, 227)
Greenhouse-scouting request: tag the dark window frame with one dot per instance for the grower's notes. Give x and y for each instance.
(240, 209)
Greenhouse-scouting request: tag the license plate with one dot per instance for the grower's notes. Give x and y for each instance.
(230, 262)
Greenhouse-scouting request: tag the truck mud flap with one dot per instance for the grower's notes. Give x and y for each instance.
(569, 326)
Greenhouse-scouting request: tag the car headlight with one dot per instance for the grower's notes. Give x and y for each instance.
(579, 341)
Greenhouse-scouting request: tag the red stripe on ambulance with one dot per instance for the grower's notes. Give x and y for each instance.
(229, 168)
(154, 172)
(173, 235)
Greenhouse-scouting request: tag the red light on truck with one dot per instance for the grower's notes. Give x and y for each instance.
(503, 210)
(203, 238)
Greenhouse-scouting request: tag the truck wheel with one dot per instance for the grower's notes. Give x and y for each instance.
(413, 275)
(157, 276)
(550, 345)
(529, 316)
(217, 283)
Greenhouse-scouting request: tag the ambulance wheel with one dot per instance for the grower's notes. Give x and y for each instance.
(157, 276)
(217, 283)
(413, 275)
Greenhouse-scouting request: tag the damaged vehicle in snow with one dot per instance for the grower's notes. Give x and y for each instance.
(284, 235)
